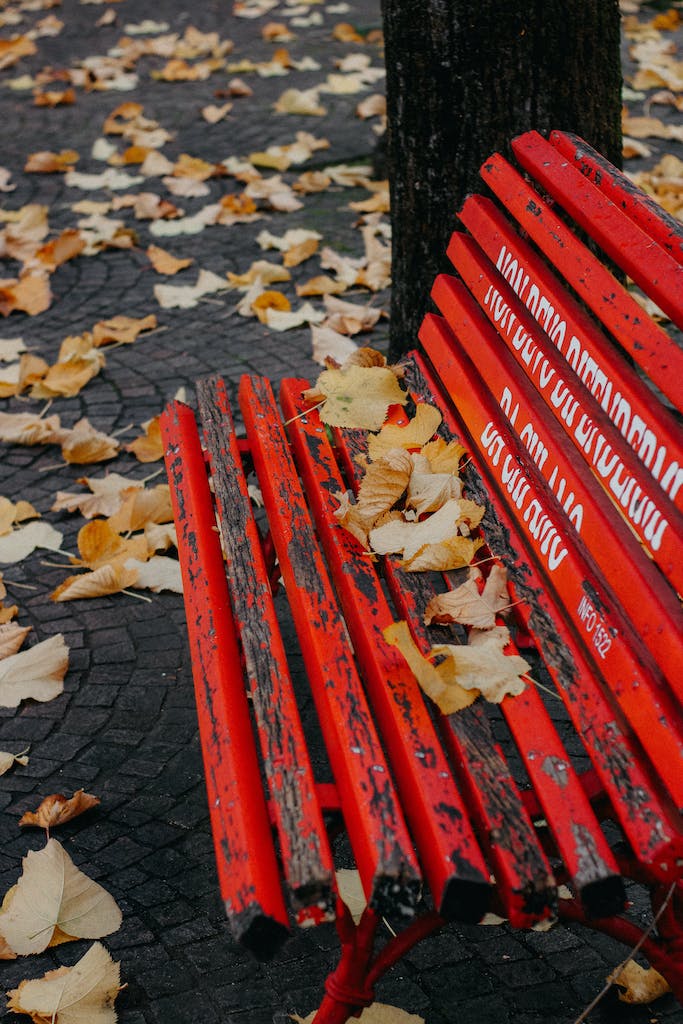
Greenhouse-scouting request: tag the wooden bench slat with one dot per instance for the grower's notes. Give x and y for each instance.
(590, 863)
(632, 675)
(653, 516)
(644, 340)
(248, 873)
(646, 212)
(624, 241)
(306, 857)
(375, 823)
(648, 426)
(524, 880)
(642, 812)
(652, 606)
(454, 866)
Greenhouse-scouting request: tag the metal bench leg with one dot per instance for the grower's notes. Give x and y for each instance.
(350, 987)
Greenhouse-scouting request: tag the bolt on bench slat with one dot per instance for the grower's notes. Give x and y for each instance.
(304, 845)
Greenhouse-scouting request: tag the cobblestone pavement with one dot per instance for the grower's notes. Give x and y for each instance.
(125, 726)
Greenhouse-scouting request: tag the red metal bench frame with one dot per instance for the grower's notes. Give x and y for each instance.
(534, 388)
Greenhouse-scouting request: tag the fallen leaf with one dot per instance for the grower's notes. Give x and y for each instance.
(348, 317)
(99, 545)
(157, 573)
(83, 444)
(443, 456)
(414, 434)
(54, 98)
(143, 506)
(8, 761)
(72, 995)
(29, 294)
(321, 285)
(376, 1013)
(482, 664)
(383, 484)
(330, 344)
(57, 809)
(122, 329)
(213, 114)
(186, 296)
(30, 428)
(12, 50)
(279, 320)
(640, 984)
(358, 397)
(108, 579)
(467, 605)
(351, 892)
(453, 553)
(428, 491)
(10, 348)
(11, 513)
(22, 542)
(268, 300)
(12, 636)
(105, 497)
(35, 674)
(46, 162)
(148, 447)
(300, 101)
(449, 695)
(411, 538)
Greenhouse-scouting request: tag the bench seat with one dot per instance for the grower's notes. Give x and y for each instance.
(569, 421)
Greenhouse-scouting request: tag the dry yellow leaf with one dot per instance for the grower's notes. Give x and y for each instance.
(351, 891)
(164, 262)
(20, 543)
(467, 605)
(300, 101)
(381, 487)
(157, 573)
(414, 434)
(408, 538)
(260, 271)
(107, 494)
(449, 696)
(444, 457)
(84, 445)
(8, 761)
(66, 379)
(29, 294)
(482, 664)
(12, 50)
(148, 447)
(5, 952)
(108, 579)
(122, 329)
(61, 249)
(141, 507)
(12, 636)
(640, 984)
(358, 397)
(46, 162)
(72, 995)
(29, 428)
(454, 553)
(54, 98)
(213, 114)
(429, 491)
(100, 545)
(11, 513)
(300, 253)
(35, 674)
(270, 300)
(57, 809)
(376, 1013)
(321, 285)
(187, 166)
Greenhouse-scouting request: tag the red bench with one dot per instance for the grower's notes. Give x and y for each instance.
(578, 460)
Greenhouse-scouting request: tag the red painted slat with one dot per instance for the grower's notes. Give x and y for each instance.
(652, 606)
(645, 211)
(375, 823)
(625, 480)
(248, 874)
(525, 885)
(566, 582)
(304, 848)
(631, 248)
(454, 867)
(647, 343)
(648, 426)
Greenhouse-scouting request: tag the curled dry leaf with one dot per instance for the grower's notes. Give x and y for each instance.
(408, 538)
(467, 605)
(376, 1013)
(35, 674)
(122, 329)
(8, 761)
(46, 162)
(20, 543)
(100, 545)
(83, 444)
(164, 262)
(105, 497)
(433, 679)
(12, 636)
(143, 506)
(351, 891)
(383, 484)
(11, 513)
(358, 397)
(328, 344)
(157, 573)
(482, 664)
(148, 447)
(72, 995)
(414, 434)
(640, 984)
(57, 809)
(108, 579)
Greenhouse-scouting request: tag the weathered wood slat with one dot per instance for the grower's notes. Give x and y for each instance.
(652, 268)
(641, 810)
(375, 822)
(454, 867)
(644, 211)
(612, 461)
(248, 873)
(652, 606)
(645, 341)
(649, 427)
(306, 856)
(524, 880)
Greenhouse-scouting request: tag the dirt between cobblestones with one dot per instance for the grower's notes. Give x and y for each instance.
(125, 727)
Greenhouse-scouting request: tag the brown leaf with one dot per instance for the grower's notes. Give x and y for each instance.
(467, 605)
(84, 445)
(30, 294)
(382, 486)
(71, 995)
(148, 447)
(122, 329)
(359, 396)
(68, 245)
(640, 984)
(447, 693)
(414, 434)
(99, 544)
(453, 553)
(46, 162)
(108, 579)
(57, 809)
(141, 507)
(54, 98)
(12, 50)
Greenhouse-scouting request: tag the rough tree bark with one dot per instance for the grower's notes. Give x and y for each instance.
(463, 79)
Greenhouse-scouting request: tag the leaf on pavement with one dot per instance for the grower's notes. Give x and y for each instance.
(105, 497)
(21, 542)
(99, 545)
(328, 344)
(186, 296)
(640, 984)
(83, 444)
(11, 513)
(12, 636)
(45, 162)
(122, 329)
(281, 320)
(72, 995)
(164, 262)
(57, 809)
(351, 892)
(158, 573)
(376, 1013)
(29, 428)
(11, 349)
(8, 761)
(35, 674)
(357, 397)
(108, 579)
(300, 101)
(141, 507)
(148, 447)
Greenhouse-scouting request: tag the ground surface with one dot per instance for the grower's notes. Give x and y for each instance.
(125, 727)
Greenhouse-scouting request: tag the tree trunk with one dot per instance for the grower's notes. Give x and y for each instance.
(463, 79)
